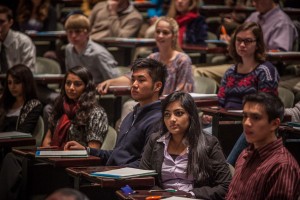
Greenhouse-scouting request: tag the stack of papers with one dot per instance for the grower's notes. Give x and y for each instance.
(123, 173)
(14, 134)
(295, 125)
(62, 154)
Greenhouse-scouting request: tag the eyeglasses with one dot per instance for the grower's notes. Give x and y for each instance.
(246, 41)
(76, 31)
(75, 83)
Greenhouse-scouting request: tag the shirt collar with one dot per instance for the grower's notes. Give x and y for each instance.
(263, 152)
(269, 13)
(9, 39)
(129, 9)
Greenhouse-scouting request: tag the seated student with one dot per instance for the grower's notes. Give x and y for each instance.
(17, 47)
(265, 170)
(76, 116)
(184, 157)
(19, 107)
(114, 19)
(147, 83)
(82, 51)
(250, 73)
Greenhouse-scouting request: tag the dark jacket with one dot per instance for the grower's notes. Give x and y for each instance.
(134, 133)
(27, 119)
(196, 31)
(215, 187)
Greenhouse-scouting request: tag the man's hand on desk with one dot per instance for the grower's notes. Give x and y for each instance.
(102, 88)
(73, 145)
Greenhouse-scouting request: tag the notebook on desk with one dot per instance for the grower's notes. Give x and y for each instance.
(14, 134)
(62, 154)
(123, 173)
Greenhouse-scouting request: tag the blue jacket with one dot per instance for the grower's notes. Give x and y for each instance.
(134, 133)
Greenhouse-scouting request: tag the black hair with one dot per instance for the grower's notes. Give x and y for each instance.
(5, 10)
(272, 104)
(157, 70)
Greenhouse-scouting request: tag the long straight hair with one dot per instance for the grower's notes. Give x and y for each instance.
(198, 161)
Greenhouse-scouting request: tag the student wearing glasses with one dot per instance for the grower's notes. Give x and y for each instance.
(250, 74)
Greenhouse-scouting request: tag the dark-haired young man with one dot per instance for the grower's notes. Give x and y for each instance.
(147, 83)
(265, 170)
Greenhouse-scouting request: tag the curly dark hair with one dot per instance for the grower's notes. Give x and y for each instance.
(87, 101)
(198, 161)
(260, 52)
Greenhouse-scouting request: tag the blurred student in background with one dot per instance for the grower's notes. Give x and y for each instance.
(36, 15)
(19, 107)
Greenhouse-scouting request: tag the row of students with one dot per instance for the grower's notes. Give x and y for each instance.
(182, 145)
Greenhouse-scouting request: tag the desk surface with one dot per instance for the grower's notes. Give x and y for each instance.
(84, 173)
(128, 42)
(60, 162)
(43, 78)
(142, 194)
(17, 142)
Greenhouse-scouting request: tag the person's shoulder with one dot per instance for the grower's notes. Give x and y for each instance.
(266, 65)
(100, 5)
(34, 102)
(97, 110)
(210, 139)
(182, 57)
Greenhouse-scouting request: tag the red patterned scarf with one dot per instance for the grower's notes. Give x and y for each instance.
(183, 21)
(61, 131)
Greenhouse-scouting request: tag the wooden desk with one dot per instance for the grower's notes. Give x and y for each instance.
(47, 35)
(104, 188)
(226, 126)
(289, 56)
(142, 194)
(203, 50)
(49, 171)
(291, 140)
(79, 173)
(43, 78)
(216, 10)
(128, 45)
(17, 142)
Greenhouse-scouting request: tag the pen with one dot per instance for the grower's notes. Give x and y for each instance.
(223, 30)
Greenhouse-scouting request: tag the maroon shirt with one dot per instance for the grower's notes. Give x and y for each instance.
(269, 172)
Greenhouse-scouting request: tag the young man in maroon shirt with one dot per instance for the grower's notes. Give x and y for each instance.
(264, 170)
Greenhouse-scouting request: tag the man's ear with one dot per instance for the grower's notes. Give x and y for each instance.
(157, 86)
(11, 22)
(275, 124)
